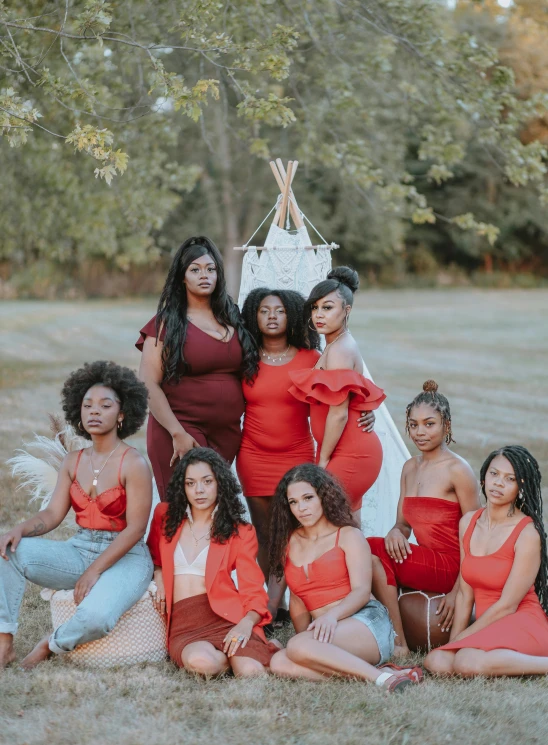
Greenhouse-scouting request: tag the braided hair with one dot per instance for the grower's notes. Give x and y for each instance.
(293, 303)
(173, 304)
(429, 395)
(529, 501)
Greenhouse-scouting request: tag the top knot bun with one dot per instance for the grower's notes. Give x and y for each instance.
(430, 386)
(346, 276)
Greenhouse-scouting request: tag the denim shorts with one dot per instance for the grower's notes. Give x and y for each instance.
(375, 616)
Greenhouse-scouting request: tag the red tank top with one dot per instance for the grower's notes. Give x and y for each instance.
(107, 511)
(328, 579)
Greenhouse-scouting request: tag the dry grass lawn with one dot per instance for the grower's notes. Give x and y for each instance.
(489, 353)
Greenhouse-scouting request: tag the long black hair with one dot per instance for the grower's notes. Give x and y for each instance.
(293, 302)
(343, 279)
(283, 522)
(529, 501)
(172, 311)
(230, 512)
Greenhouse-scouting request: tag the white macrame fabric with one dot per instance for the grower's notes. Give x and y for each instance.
(284, 263)
(427, 611)
(139, 636)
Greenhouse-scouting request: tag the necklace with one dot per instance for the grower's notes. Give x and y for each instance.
(272, 358)
(197, 540)
(97, 471)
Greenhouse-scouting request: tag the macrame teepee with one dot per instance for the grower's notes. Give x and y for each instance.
(288, 260)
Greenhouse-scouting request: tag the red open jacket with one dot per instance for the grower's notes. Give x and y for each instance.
(238, 553)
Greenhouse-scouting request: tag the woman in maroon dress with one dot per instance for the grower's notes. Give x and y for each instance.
(195, 351)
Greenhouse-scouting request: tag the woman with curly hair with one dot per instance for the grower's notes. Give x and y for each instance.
(341, 629)
(335, 387)
(198, 537)
(276, 432)
(504, 572)
(195, 351)
(437, 488)
(109, 487)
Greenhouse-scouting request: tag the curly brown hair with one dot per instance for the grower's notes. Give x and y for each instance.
(283, 522)
(230, 513)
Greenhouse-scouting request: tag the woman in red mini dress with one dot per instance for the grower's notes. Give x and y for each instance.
(437, 488)
(276, 432)
(195, 351)
(504, 572)
(334, 388)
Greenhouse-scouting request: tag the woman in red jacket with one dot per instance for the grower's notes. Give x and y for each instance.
(197, 538)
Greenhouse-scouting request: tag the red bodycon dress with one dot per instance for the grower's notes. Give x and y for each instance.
(357, 459)
(524, 631)
(208, 401)
(276, 433)
(433, 565)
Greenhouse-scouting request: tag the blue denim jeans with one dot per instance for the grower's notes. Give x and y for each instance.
(59, 565)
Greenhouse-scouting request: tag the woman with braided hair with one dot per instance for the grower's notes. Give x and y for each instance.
(504, 571)
(437, 488)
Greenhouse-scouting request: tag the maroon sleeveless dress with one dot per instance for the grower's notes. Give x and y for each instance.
(207, 401)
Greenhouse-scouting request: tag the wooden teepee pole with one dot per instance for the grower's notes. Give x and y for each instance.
(293, 206)
(285, 194)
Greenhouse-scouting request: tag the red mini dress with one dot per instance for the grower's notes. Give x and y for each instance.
(357, 459)
(524, 631)
(276, 432)
(207, 401)
(433, 565)
(106, 511)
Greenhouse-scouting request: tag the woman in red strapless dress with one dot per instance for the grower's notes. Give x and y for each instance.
(195, 351)
(109, 487)
(504, 572)
(334, 388)
(276, 432)
(449, 482)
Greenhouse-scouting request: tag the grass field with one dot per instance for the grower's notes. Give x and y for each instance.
(488, 350)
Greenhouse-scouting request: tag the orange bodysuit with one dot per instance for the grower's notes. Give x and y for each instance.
(524, 631)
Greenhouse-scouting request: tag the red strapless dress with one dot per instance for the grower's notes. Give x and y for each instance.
(524, 631)
(357, 458)
(276, 433)
(433, 565)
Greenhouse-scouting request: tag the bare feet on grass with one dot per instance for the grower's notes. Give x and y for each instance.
(40, 653)
(7, 653)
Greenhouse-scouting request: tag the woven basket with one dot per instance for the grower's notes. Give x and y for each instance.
(139, 635)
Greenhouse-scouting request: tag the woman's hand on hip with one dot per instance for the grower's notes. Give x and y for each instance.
(182, 443)
(366, 421)
(324, 627)
(237, 637)
(83, 587)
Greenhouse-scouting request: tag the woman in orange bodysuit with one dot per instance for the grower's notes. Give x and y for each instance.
(341, 629)
(197, 539)
(276, 432)
(504, 572)
(437, 487)
(109, 487)
(335, 386)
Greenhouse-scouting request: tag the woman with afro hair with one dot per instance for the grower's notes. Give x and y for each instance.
(276, 432)
(109, 487)
(198, 537)
(341, 629)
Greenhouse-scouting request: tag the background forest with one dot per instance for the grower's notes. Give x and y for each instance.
(420, 127)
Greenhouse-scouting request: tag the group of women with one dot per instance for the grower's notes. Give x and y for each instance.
(306, 454)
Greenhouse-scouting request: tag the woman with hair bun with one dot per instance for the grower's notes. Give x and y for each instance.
(195, 352)
(198, 537)
(437, 488)
(335, 386)
(504, 572)
(109, 487)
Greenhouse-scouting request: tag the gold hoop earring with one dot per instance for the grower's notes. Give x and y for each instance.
(120, 424)
(80, 426)
(312, 328)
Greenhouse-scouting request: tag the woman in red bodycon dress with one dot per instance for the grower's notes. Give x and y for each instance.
(336, 386)
(197, 539)
(504, 572)
(437, 488)
(341, 629)
(195, 351)
(276, 432)
(109, 487)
